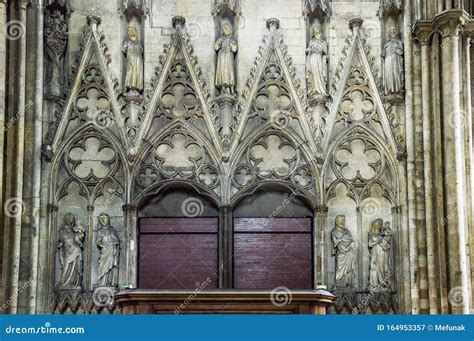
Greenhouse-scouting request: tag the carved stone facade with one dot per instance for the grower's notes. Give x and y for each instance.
(329, 106)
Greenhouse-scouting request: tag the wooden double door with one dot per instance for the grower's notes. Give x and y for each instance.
(183, 253)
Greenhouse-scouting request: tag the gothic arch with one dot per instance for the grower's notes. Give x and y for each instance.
(291, 163)
(198, 159)
(87, 131)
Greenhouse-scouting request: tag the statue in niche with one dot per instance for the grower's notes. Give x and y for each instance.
(56, 35)
(344, 251)
(226, 48)
(133, 51)
(109, 247)
(380, 242)
(392, 55)
(316, 63)
(70, 244)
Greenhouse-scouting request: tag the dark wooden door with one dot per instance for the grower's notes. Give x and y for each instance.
(272, 252)
(178, 253)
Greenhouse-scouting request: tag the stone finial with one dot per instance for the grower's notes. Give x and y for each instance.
(178, 22)
(273, 23)
(355, 23)
(93, 20)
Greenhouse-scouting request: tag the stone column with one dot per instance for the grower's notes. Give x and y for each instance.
(3, 70)
(50, 277)
(130, 245)
(320, 247)
(411, 302)
(16, 220)
(454, 184)
(225, 247)
(90, 241)
(38, 138)
(469, 127)
(424, 39)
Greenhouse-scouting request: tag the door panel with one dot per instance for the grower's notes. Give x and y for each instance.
(272, 252)
(177, 253)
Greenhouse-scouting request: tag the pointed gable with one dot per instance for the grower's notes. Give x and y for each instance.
(273, 97)
(92, 99)
(356, 101)
(179, 93)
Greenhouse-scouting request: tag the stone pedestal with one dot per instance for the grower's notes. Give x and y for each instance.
(226, 103)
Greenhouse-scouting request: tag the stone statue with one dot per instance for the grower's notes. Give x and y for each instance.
(226, 47)
(344, 250)
(70, 244)
(109, 246)
(133, 50)
(316, 63)
(56, 35)
(380, 242)
(392, 55)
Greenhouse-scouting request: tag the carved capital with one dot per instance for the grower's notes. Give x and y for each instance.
(273, 24)
(422, 34)
(450, 23)
(90, 208)
(397, 209)
(128, 208)
(23, 4)
(321, 209)
(52, 208)
(178, 22)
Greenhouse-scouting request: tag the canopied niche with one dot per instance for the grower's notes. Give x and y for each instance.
(362, 224)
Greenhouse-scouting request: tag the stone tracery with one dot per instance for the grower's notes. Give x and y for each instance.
(276, 148)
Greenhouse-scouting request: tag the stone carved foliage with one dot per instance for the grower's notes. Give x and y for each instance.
(56, 37)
